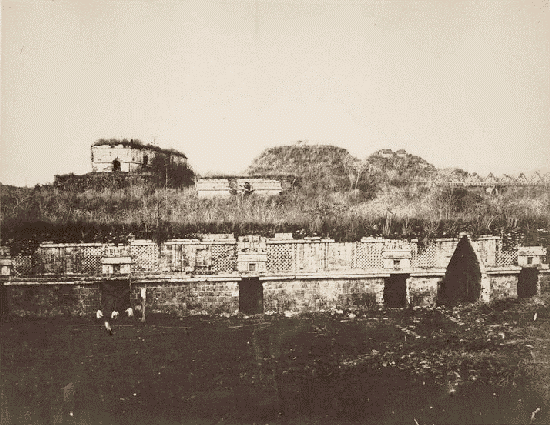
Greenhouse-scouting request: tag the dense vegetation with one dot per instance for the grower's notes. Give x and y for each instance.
(165, 173)
(136, 143)
(338, 196)
(320, 167)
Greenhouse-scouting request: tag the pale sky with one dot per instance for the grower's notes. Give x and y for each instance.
(459, 83)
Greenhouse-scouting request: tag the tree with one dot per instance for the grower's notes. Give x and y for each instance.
(170, 174)
(354, 167)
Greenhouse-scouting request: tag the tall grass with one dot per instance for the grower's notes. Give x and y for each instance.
(405, 211)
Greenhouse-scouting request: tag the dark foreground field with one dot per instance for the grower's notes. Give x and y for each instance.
(476, 364)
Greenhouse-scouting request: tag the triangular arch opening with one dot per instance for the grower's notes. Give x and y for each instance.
(462, 281)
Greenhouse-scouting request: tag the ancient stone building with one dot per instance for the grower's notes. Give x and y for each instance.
(226, 187)
(129, 156)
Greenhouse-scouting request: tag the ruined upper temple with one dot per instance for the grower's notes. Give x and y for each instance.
(128, 155)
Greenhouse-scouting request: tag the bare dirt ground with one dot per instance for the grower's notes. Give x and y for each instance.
(474, 364)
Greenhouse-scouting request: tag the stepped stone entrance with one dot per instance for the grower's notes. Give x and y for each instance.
(251, 296)
(395, 290)
(527, 282)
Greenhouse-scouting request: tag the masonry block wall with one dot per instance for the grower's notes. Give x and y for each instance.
(48, 300)
(504, 286)
(423, 290)
(185, 296)
(184, 276)
(314, 294)
(544, 281)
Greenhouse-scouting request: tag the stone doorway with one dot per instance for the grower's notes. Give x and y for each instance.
(395, 290)
(3, 300)
(251, 296)
(116, 165)
(115, 293)
(527, 282)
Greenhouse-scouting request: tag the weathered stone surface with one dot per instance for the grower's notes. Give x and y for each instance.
(423, 291)
(52, 300)
(544, 282)
(184, 296)
(504, 286)
(314, 294)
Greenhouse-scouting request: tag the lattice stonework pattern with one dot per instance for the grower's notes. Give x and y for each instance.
(279, 258)
(224, 258)
(507, 258)
(91, 259)
(22, 265)
(424, 259)
(369, 256)
(144, 257)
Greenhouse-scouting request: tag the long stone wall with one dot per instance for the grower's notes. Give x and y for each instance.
(315, 293)
(48, 299)
(185, 295)
(219, 254)
(187, 276)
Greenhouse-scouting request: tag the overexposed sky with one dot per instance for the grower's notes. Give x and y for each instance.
(459, 83)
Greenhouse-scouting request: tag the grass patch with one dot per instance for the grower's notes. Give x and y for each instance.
(468, 364)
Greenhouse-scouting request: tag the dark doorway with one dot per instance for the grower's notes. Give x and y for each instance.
(115, 294)
(116, 165)
(527, 282)
(251, 296)
(395, 290)
(3, 300)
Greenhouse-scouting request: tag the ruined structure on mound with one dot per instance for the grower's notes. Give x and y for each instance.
(120, 163)
(129, 156)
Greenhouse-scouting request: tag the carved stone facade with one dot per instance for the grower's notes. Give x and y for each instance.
(210, 188)
(207, 274)
(531, 256)
(128, 158)
(5, 261)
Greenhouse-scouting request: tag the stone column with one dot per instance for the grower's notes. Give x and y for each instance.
(485, 295)
(379, 290)
(408, 283)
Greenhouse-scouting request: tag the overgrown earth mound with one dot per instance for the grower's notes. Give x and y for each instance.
(398, 168)
(321, 167)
